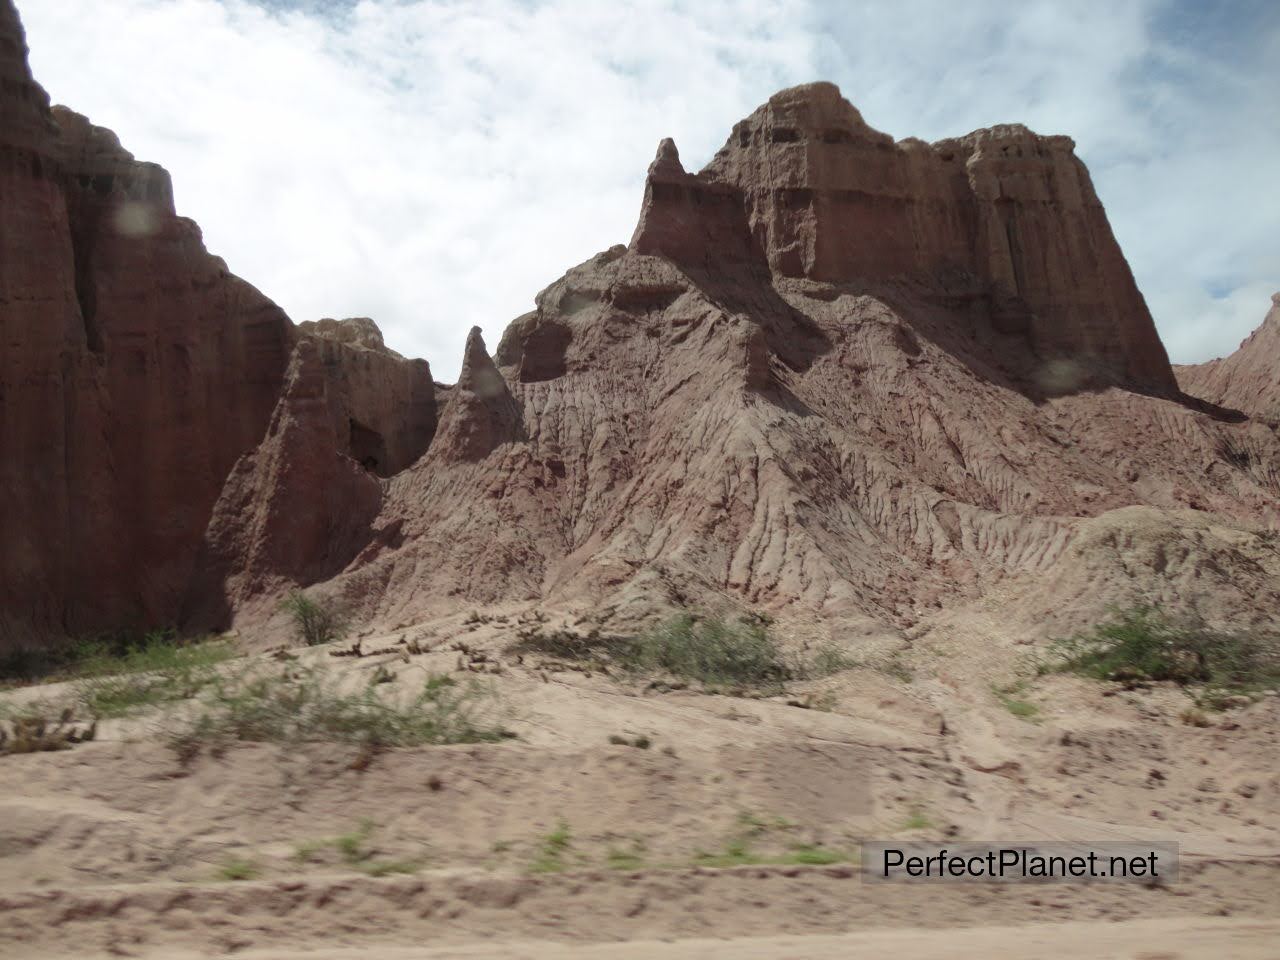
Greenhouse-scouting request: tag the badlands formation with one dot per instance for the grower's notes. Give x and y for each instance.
(903, 398)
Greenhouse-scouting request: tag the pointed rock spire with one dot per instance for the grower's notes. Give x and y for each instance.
(482, 413)
(667, 161)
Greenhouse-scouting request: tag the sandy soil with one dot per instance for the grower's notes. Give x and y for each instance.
(117, 848)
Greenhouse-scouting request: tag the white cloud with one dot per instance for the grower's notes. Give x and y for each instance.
(434, 164)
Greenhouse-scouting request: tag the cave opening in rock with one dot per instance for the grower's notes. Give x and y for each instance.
(368, 448)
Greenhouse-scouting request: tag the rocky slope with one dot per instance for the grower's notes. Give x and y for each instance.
(135, 371)
(1249, 379)
(831, 374)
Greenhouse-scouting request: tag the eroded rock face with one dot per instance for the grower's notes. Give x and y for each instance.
(295, 510)
(136, 370)
(383, 406)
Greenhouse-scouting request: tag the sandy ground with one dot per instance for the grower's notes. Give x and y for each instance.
(115, 848)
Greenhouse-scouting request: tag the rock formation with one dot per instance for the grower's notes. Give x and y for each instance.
(383, 406)
(135, 371)
(294, 511)
(832, 374)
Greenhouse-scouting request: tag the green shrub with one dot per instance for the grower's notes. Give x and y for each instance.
(301, 706)
(1145, 644)
(315, 621)
(711, 651)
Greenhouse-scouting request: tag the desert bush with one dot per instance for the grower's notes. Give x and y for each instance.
(316, 621)
(1146, 644)
(712, 651)
(301, 705)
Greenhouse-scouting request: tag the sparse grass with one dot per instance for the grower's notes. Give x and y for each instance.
(896, 668)
(715, 652)
(640, 743)
(301, 706)
(751, 829)
(591, 647)
(817, 856)
(160, 669)
(122, 671)
(316, 621)
(1144, 644)
(1195, 717)
(354, 850)
(828, 659)
(736, 853)
(917, 820)
(309, 850)
(32, 730)
(625, 859)
(1009, 699)
(352, 845)
(238, 869)
(750, 825)
(385, 868)
(552, 850)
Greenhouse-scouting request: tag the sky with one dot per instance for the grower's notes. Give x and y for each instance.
(433, 164)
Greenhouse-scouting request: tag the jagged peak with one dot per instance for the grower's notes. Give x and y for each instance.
(478, 369)
(667, 160)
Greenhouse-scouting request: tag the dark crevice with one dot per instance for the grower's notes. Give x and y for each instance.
(368, 448)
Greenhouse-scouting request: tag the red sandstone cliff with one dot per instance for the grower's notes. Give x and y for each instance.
(135, 371)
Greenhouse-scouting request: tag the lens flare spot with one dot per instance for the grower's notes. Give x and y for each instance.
(136, 220)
